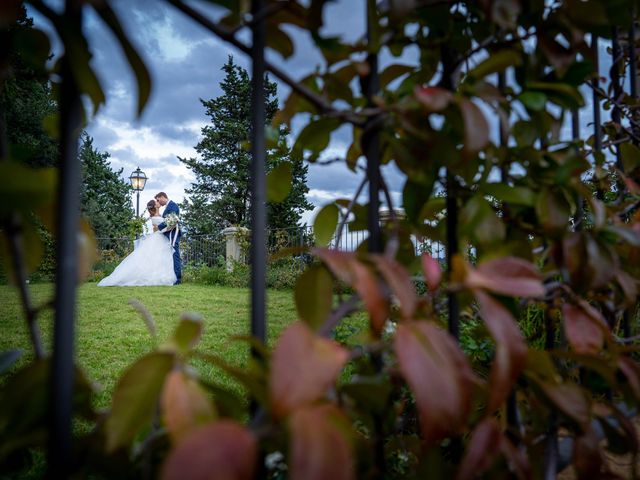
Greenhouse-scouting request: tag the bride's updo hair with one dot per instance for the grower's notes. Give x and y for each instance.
(151, 206)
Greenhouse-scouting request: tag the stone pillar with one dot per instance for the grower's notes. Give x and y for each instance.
(385, 215)
(233, 237)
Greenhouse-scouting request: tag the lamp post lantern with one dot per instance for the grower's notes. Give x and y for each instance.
(138, 180)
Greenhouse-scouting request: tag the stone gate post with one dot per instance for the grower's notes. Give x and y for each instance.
(233, 237)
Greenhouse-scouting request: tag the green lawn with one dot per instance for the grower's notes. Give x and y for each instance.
(110, 333)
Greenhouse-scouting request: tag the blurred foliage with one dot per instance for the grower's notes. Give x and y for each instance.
(105, 195)
(550, 226)
(220, 196)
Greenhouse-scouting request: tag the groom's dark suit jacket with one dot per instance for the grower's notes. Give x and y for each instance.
(172, 207)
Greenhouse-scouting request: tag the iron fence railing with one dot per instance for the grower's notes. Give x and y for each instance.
(210, 250)
(205, 249)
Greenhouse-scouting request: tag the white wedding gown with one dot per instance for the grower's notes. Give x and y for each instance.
(150, 263)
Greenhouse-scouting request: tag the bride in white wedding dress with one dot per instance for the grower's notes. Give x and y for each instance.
(150, 263)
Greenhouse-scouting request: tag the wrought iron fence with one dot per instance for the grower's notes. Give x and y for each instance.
(204, 249)
(210, 250)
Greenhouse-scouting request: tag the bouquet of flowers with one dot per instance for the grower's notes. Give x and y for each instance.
(171, 221)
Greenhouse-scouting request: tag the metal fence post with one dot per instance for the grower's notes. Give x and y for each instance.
(62, 368)
(258, 173)
(371, 140)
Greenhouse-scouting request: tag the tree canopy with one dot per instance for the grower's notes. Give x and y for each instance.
(220, 196)
(105, 195)
(27, 100)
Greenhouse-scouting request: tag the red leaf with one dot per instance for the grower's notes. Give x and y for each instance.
(367, 285)
(486, 442)
(585, 333)
(511, 350)
(185, 405)
(507, 276)
(435, 99)
(631, 370)
(136, 397)
(432, 272)
(338, 262)
(303, 367)
(476, 127)
(482, 450)
(569, 399)
(350, 270)
(400, 281)
(320, 446)
(587, 455)
(439, 376)
(223, 450)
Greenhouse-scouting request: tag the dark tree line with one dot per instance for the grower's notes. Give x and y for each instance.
(220, 195)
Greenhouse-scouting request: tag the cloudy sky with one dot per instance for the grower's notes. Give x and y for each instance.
(185, 63)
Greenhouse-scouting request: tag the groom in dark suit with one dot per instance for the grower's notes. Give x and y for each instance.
(173, 235)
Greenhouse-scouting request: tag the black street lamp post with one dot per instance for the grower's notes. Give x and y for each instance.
(138, 180)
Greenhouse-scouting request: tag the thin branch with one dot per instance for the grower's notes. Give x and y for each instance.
(13, 229)
(329, 161)
(629, 210)
(488, 43)
(266, 12)
(349, 209)
(227, 35)
(341, 311)
(393, 244)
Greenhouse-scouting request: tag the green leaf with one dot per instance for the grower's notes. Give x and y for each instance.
(143, 78)
(28, 188)
(560, 93)
(8, 358)
(279, 41)
(279, 182)
(252, 379)
(630, 156)
(509, 194)
(533, 100)
(552, 210)
(525, 133)
(414, 198)
(325, 223)
(30, 241)
(392, 72)
(188, 332)
(135, 398)
(497, 62)
(314, 296)
(78, 55)
(315, 136)
(481, 222)
(25, 405)
(370, 392)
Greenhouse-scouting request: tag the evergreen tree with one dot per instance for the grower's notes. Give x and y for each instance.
(220, 196)
(26, 100)
(105, 195)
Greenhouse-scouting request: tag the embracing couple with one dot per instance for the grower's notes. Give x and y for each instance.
(156, 257)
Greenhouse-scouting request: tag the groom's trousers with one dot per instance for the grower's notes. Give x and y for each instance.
(177, 262)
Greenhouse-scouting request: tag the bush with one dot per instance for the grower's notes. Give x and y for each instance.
(281, 275)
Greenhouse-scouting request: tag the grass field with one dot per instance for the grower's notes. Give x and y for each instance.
(111, 334)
